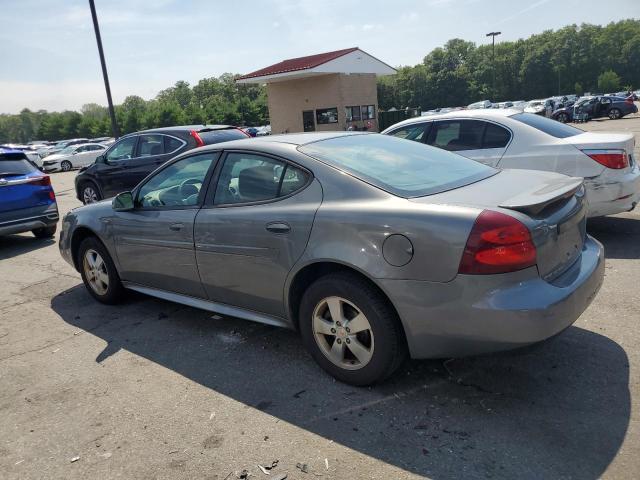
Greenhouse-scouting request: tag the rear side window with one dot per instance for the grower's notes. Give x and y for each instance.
(14, 164)
(548, 126)
(456, 135)
(414, 131)
(495, 136)
(150, 145)
(171, 144)
(218, 136)
(246, 177)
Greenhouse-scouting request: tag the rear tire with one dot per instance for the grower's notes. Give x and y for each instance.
(66, 166)
(45, 232)
(98, 272)
(89, 193)
(368, 352)
(615, 114)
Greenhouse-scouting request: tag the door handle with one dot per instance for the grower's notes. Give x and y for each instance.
(278, 227)
(176, 226)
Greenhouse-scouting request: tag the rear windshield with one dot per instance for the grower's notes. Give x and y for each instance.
(402, 167)
(548, 126)
(14, 164)
(219, 136)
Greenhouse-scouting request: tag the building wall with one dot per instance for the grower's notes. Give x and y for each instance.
(288, 99)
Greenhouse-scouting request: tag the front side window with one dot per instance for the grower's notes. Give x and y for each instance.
(123, 150)
(178, 185)
(411, 132)
(456, 135)
(326, 115)
(150, 145)
(352, 113)
(247, 177)
(368, 112)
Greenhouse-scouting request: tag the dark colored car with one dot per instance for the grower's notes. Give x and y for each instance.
(129, 160)
(27, 200)
(597, 107)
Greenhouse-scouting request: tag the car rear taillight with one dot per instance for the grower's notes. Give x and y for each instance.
(498, 243)
(610, 158)
(41, 181)
(199, 142)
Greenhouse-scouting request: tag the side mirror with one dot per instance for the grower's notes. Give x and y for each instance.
(100, 158)
(122, 202)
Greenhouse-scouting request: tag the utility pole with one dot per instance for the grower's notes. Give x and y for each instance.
(493, 36)
(112, 113)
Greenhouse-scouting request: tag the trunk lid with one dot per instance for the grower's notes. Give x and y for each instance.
(603, 141)
(551, 205)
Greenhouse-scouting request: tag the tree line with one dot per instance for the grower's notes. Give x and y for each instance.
(574, 59)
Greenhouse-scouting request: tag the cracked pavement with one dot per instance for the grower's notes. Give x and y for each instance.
(150, 389)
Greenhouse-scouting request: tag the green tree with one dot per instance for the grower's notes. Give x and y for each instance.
(608, 81)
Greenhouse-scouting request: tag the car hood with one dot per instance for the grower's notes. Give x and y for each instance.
(56, 156)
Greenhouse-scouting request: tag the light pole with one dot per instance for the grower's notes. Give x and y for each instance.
(493, 36)
(112, 113)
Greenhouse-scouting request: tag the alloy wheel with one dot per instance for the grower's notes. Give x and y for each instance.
(89, 195)
(343, 333)
(614, 114)
(66, 166)
(95, 271)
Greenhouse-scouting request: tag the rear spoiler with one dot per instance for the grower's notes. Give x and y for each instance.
(535, 201)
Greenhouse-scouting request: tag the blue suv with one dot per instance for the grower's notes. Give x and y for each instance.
(27, 200)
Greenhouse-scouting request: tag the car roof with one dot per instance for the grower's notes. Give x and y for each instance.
(5, 150)
(486, 113)
(184, 128)
(295, 139)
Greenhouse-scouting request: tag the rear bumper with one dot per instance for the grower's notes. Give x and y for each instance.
(611, 194)
(480, 314)
(30, 219)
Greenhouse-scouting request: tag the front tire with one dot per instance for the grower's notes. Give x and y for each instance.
(89, 193)
(98, 272)
(351, 330)
(45, 232)
(615, 114)
(563, 118)
(66, 166)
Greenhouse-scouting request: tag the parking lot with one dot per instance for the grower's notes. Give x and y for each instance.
(151, 389)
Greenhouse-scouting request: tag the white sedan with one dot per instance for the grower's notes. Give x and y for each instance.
(511, 139)
(74, 156)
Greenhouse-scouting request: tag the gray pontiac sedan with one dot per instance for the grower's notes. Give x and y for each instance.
(373, 247)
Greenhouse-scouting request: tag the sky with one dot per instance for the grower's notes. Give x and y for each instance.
(49, 59)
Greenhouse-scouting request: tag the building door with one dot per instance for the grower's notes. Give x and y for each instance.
(308, 121)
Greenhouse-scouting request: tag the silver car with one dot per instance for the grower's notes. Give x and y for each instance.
(371, 246)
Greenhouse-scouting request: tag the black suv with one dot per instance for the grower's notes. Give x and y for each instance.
(134, 156)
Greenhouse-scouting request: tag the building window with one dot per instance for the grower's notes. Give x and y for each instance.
(326, 115)
(368, 112)
(352, 113)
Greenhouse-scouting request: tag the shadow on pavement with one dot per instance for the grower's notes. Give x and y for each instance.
(560, 409)
(619, 235)
(16, 245)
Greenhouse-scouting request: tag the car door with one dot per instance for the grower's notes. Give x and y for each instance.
(154, 241)
(478, 140)
(93, 152)
(254, 229)
(114, 172)
(83, 156)
(603, 107)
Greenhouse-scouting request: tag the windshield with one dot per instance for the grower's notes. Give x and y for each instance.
(403, 168)
(547, 125)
